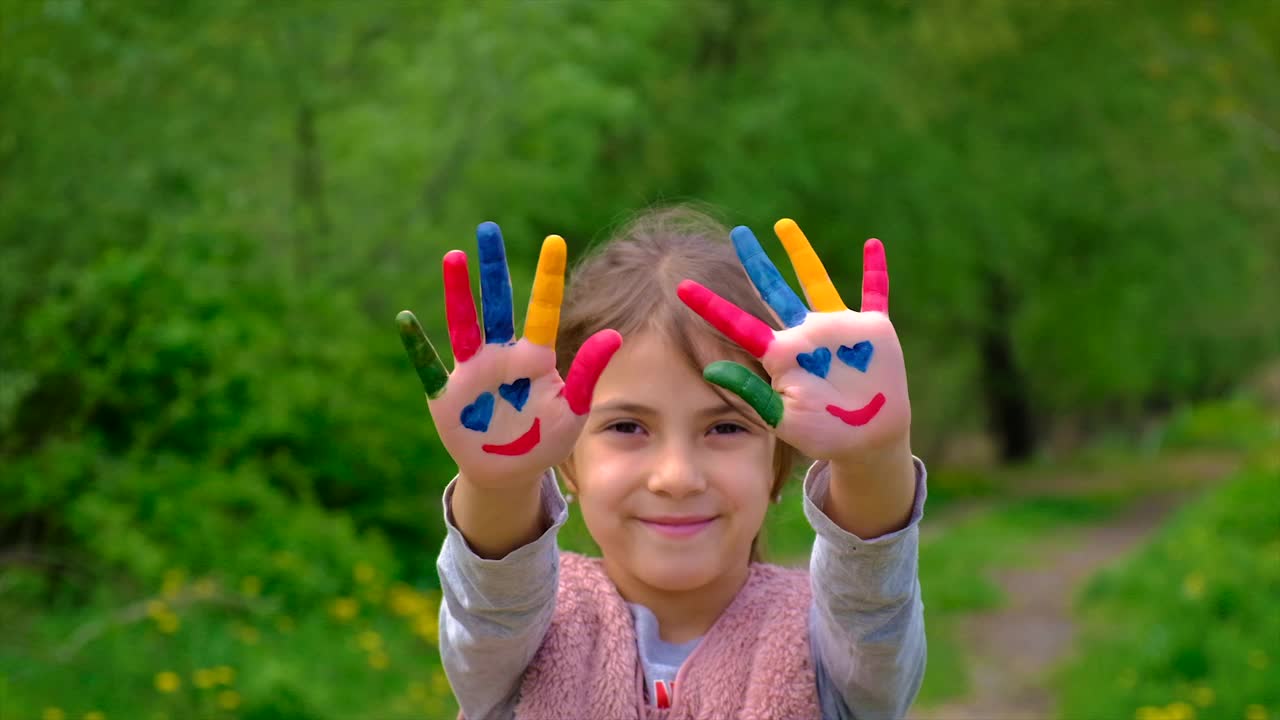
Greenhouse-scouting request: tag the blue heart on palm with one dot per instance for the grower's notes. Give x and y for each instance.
(858, 356)
(817, 362)
(477, 415)
(517, 393)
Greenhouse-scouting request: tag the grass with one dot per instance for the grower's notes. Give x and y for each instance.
(1188, 626)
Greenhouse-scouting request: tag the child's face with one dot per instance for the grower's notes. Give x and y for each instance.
(673, 482)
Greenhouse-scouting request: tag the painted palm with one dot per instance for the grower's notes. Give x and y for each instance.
(839, 385)
(505, 412)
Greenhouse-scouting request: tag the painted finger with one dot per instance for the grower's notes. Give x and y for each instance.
(495, 285)
(817, 284)
(460, 307)
(737, 324)
(740, 381)
(424, 357)
(875, 278)
(543, 318)
(768, 281)
(588, 364)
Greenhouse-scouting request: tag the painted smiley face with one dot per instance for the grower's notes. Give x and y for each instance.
(479, 414)
(858, 357)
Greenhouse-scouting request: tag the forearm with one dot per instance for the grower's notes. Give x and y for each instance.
(495, 613)
(872, 494)
(496, 521)
(867, 624)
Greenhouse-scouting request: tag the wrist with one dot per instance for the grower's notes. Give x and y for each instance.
(876, 462)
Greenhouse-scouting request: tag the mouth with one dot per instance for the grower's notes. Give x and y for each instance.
(678, 527)
(520, 445)
(862, 415)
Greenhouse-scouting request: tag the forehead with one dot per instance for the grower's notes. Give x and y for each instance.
(651, 370)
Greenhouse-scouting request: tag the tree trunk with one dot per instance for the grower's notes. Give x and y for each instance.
(1004, 385)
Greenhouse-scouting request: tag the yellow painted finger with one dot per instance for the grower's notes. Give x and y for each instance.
(543, 319)
(813, 276)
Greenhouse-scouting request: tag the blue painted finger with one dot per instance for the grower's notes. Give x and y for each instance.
(765, 276)
(495, 285)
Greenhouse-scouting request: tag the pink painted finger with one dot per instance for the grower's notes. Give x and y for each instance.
(592, 358)
(875, 278)
(460, 307)
(740, 326)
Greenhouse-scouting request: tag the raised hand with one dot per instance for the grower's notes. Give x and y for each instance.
(839, 385)
(504, 414)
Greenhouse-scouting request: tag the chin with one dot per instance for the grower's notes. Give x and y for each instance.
(679, 573)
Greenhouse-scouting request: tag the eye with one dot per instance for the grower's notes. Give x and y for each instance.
(857, 357)
(624, 427)
(727, 428)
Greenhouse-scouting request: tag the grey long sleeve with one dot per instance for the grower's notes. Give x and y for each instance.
(866, 622)
(495, 613)
(867, 619)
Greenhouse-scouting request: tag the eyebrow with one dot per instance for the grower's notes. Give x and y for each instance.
(639, 409)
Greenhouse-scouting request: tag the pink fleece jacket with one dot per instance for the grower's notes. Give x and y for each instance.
(753, 664)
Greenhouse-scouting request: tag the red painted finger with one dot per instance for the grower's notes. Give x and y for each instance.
(740, 326)
(875, 278)
(580, 384)
(460, 307)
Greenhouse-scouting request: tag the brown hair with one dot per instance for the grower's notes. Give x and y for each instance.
(629, 284)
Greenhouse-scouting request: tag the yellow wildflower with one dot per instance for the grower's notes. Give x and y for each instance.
(1257, 659)
(406, 602)
(418, 691)
(440, 684)
(155, 609)
(1203, 696)
(205, 678)
(94, 715)
(1193, 585)
(225, 675)
(1255, 712)
(1201, 23)
(167, 682)
(248, 634)
(370, 641)
(1149, 712)
(205, 588)
(168, 623)
(53, 713)
(250, 586)
(365, 573)
(344, 608)
(427, 627)
(378, 660)
(173, 580)
(1179, 711)
(228, 699)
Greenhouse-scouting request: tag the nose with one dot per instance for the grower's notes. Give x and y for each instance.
(676, 472)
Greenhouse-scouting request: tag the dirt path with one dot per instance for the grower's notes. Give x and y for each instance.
(1013, 649)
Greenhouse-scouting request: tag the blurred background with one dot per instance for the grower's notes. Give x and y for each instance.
(219, 486)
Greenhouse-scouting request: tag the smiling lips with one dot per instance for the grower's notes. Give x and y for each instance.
(862, 415)
(520, 445)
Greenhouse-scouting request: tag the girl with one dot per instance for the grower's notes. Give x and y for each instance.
(673, 446)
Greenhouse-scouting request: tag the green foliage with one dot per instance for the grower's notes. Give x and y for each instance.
(1190, 621)
(211, 213)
